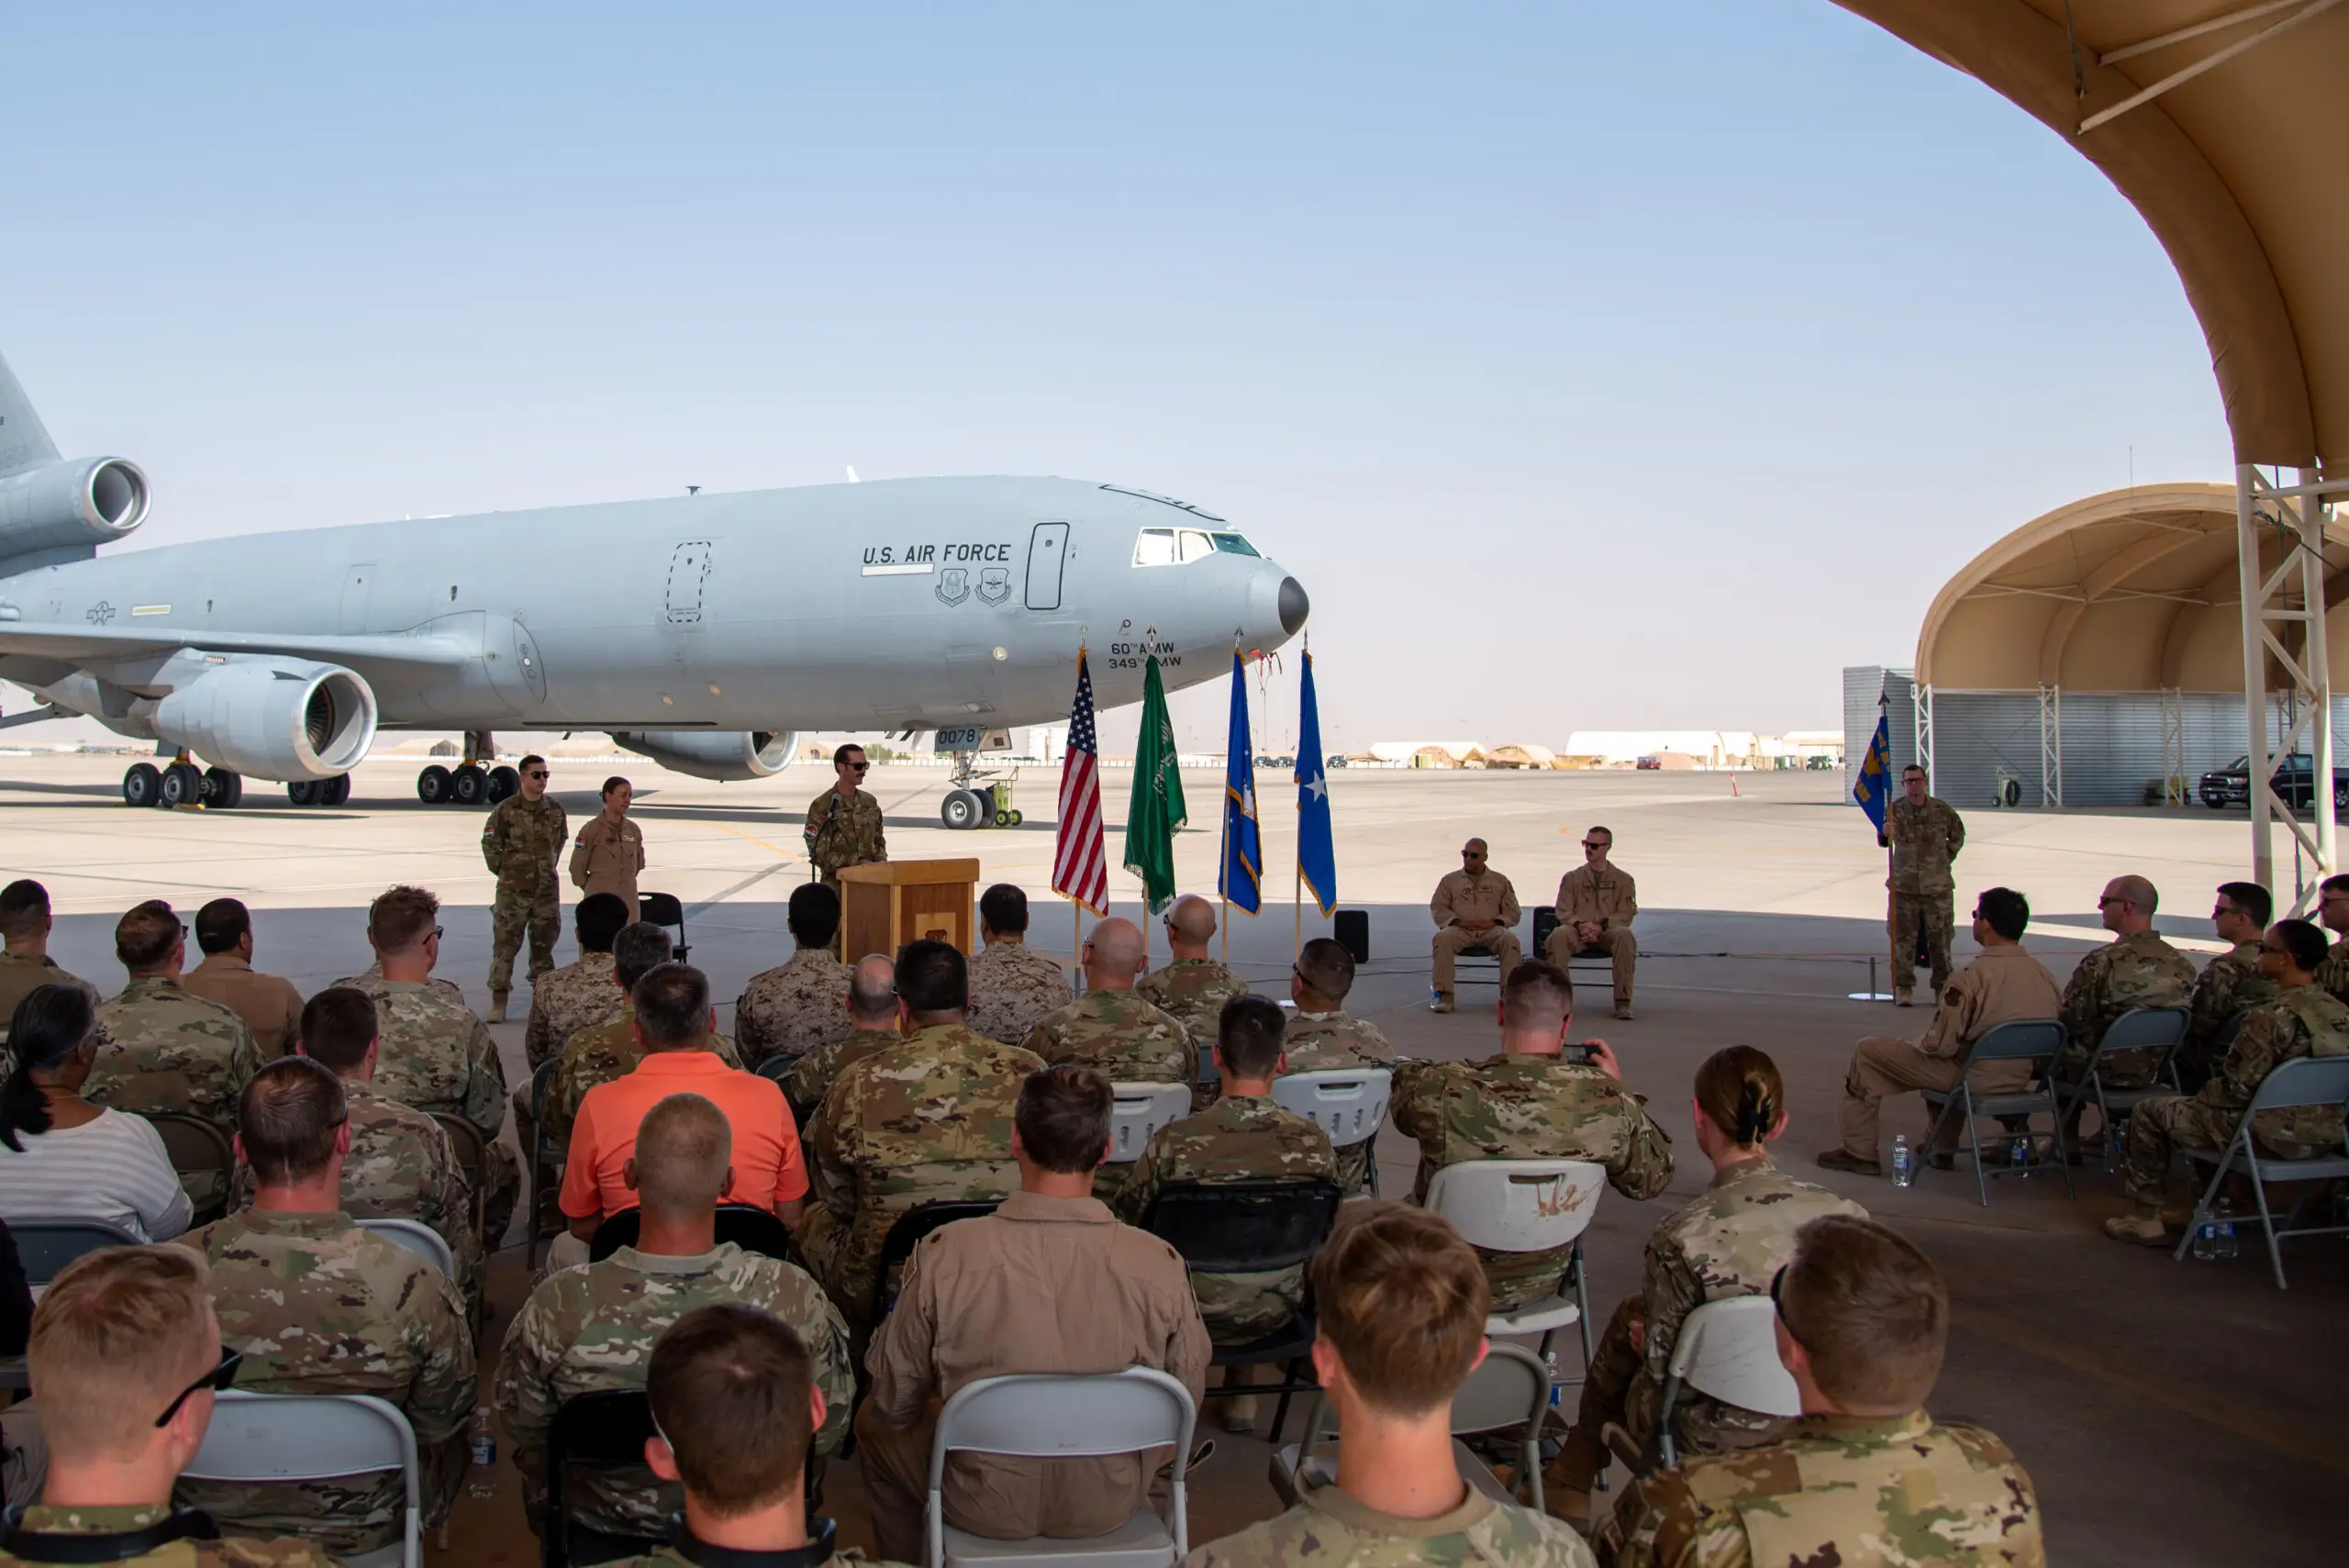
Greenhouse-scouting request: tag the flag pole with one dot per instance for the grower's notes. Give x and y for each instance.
(1227, 933)
(1296, 903)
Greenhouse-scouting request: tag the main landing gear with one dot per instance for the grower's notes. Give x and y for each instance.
(181, 783)
(470, 782)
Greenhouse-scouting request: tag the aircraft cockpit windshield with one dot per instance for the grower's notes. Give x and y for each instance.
(1180, 547)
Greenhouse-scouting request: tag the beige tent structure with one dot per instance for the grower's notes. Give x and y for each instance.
(2095, 652)
(1520, 756)
(2219, 121)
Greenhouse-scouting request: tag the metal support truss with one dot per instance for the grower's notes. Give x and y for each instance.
(2051, 746)
(2283, 622)
(2301, 11)
(1921, 700)
(2173, 786)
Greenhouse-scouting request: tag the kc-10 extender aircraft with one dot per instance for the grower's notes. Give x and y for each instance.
(704, 631)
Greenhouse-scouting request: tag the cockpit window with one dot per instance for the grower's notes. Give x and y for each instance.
(1180, 547)
(1232, 544)
(1195, 546)
(1155, 548)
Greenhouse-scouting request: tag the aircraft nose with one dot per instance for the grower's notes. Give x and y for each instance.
(1293, 605)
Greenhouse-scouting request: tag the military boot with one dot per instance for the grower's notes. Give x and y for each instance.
(497, 1007)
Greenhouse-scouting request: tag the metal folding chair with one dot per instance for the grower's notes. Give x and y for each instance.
(265, 1438)
(664, 910)
(1526, 1206)
(603, 1430)
(2159, 1029)
(1509, 1389)
(2039, 1042)
(2304, 1081)
(906, 1234)
(1349, 1104)
(418, 1237)
(471, 1154)
(45, 1246)
(202, 1155)
(1057, 1415)
(753, 1229)
(542, 1076)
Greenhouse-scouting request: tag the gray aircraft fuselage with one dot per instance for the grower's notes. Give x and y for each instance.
(889, 605)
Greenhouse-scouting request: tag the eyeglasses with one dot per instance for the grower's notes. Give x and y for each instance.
(439, 931)
(536, 773)
(1779, 1302)
(219, 1378)
(1472, 854)
(2108, 898)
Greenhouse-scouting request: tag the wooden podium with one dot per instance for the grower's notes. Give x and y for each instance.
(886, 905)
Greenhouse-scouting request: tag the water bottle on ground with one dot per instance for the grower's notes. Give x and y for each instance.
(1904, 1163)
(2206, 1239)
(2021, 1154)
(2223, 1217)
(1557, 1385)
(483, 1482)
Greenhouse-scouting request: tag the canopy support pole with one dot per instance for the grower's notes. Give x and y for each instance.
(2283, 621)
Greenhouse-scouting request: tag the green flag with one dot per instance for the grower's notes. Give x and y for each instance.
(1156, 809)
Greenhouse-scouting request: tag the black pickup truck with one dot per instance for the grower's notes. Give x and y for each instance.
(2231, 785)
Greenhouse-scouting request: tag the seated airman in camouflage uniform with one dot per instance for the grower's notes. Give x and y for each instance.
(124, 1345)
(927, 1120)
(2229, 984)
(1112, 1029)
(579, 995)
(1324, 1038)
(1730, 1242)
(434, 1054)
(1401, 1303)
(610, 1050)
(402, 1164)
(593, 1328)
(1864, 1476)
(2304, 1020)
(1193, 987)
(1530, 1102)
(168, 1050)
(791, 1010)
(25, 963)
(1012, 984)
(2136, 969)
(2332, 913)
(738, 1394)
(873, 1026)
(319, 1306)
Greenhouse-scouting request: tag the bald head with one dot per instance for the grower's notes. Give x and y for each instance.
(872, 993)
(1113, 956)
(2128, 905)
(683, 1153)
(1190, 926)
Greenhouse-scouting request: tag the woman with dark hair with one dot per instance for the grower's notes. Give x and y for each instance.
(64, 1158)
(1729, 1242)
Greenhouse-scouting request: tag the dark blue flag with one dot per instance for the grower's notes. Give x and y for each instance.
(1873, 788)
(1242, 879)
(1317, 853)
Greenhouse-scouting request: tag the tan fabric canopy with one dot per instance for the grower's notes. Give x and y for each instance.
(2130, 591)
(2242, 172)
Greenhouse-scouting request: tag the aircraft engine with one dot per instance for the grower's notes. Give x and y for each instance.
(724, 755)
(86, 501)
(275, 719)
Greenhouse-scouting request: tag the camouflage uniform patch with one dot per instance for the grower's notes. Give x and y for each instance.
(168, 1051)
(850, 834)
(1904, 1492)
(1238, 1139)
(2139, 969)
(593, 1328)
(2304, 1021)
(231, 1552)
(1119, 1035)
(794, 1007)
(563, 1001)
(813, 1075)
(598, 1055)
(1013, 987)
(522, 845)
(1328, 1528)
(320, 1307)
(438, 1057)
(1528, 1108)
(927, 1121)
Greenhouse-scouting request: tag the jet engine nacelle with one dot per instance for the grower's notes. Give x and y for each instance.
(85, 502)
(274, 718)
(724, 755)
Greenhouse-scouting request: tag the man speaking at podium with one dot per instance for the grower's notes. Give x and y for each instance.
(844, 822)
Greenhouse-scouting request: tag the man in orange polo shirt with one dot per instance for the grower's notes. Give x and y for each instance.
(673, 1022)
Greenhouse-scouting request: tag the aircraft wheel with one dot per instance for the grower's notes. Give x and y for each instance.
(334, 791)
(504, 783)
(222, 789)
(432, 785)
(469, 785)
(960, 810)
(1014, 818)
(182, 786)
(142, 784)
(1003, 818)
(302, 792)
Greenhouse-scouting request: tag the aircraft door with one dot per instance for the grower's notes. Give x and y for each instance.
(688, 574)
(1047, 550)
(350, 616)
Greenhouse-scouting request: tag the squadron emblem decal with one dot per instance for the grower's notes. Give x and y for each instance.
(953, 586)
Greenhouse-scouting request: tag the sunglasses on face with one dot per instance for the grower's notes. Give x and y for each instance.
(1596, 844)
(219, 1378)
(856, 767)
(536, 773)
(1472, 854)
(1779, 1302)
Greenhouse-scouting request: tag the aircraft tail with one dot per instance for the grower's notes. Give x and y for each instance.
(24, 440)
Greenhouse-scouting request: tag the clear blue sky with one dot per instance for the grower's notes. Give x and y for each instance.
(1593, 366)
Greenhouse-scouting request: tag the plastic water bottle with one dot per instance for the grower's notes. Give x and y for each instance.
(2205, 1239)
(2021, 1156)
(2223, 1217)
(483, 1482)
(1557, 1387)
(1904, 1164)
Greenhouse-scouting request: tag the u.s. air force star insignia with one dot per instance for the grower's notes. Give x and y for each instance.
(101, 613)
(995, 584)
(953, 586)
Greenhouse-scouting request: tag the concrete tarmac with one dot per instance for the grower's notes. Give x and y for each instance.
(2168, 1412)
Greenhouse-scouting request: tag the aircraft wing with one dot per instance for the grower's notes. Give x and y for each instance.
(73, 644)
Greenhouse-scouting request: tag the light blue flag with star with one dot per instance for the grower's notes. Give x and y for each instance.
(1316, 852)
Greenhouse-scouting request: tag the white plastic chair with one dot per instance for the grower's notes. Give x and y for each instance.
(417, 1238)
(1728, 1349)
(262, 1437)
(1525, 1206)
(1349, 1103)
(1510, 1387)
(1139, 1109)
(1061, 1416)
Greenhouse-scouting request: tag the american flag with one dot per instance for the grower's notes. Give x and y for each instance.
(1080, 861)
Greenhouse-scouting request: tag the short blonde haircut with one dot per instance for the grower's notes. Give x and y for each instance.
(1402, 1299)
(118, 1334)
(683, 1148)
(401, 917)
